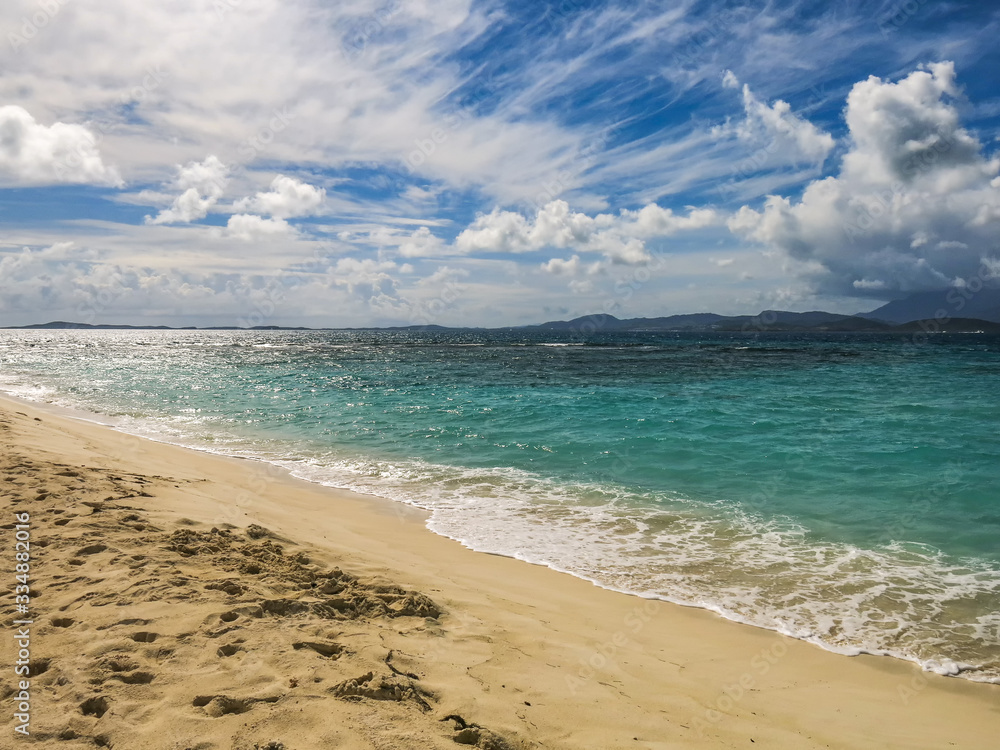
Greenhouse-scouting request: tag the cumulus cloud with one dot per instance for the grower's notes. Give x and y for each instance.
(368, 279)
(35, 154)
(86, 285)
(915, 206)
(287, 198)
(421, 244)
(252, 227)
(620, 238)
(786, 136)
(201, 184)
(578, 272)
(562, 267)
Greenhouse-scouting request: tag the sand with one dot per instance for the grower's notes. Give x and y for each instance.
(185, 600)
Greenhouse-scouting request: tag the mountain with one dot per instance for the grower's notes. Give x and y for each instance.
(62, 325)
(953, 303)
(768, 320)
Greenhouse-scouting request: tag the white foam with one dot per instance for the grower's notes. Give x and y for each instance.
(764, 572)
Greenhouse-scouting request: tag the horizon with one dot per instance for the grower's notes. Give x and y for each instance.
(389, 165)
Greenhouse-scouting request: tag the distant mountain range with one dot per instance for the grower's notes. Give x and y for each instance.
(62, 325)
(769, 320)
(955, 311)
(983, 304)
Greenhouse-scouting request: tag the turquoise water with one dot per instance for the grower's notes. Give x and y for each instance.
(843, 490)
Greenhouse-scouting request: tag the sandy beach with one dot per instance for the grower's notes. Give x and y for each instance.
(184, 600)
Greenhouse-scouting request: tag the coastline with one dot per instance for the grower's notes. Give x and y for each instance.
(540, 657)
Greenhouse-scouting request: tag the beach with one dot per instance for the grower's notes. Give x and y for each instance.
(180, 599)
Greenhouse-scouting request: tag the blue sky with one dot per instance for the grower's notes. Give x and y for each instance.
(303, 162)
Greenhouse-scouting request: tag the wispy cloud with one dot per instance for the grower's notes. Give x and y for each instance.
(537, 151)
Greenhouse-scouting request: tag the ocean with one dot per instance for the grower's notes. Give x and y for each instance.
(842, 489)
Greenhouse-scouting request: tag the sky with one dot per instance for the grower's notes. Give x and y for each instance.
(354, 163)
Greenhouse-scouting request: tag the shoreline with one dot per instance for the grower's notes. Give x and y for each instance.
(273, 469)
(593, 667)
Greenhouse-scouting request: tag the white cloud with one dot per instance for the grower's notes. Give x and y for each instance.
(787, 137)
(421, 244)
(914, 206)
(905, 130)
(287, 198)
(252, 227)
(560, 267)
(370, 280)
(282, 82)
(36, 154)
(202, 185)
(580, 274)
(619, 238)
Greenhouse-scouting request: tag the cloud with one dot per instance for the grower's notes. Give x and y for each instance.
(915, 206)
(252, 227)
(277, 82)
(202, 185)
(367, 279)
(787, 137)
(421, 244)
(36, 154)
(619, 238)
(560, 267)
(580, 274)
(287, 198)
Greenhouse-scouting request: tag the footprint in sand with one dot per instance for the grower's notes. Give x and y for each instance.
(38, 666)
(96, 706)
(330, 650)
(136, 678)
(222, 705)
(120, 663)
(92, 549)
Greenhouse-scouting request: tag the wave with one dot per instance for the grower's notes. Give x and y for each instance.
(903, 600)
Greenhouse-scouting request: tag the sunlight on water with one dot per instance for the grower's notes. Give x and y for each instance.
(842, 490)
